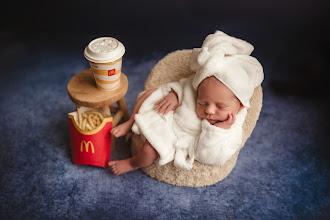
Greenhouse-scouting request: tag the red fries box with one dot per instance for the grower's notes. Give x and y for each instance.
(90, 147)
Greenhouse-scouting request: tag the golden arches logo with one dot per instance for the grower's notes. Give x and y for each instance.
(83, 143)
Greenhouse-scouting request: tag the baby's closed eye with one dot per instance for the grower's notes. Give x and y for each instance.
(221, 106)
(202, 104)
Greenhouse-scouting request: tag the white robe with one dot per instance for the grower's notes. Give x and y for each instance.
(181, 133)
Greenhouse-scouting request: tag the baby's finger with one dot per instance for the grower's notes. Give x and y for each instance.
(230, 118)
(168, 109)
(234, 118)
(163, 108)
(160, 104)
(160, 100)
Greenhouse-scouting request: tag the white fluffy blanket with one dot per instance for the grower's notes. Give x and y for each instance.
(181, 133)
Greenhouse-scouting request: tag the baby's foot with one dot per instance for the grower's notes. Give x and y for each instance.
(118, 167)
(121, 129)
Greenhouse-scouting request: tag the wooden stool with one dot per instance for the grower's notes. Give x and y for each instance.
(83, 92)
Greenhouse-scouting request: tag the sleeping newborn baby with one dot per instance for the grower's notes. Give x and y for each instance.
(200, 117)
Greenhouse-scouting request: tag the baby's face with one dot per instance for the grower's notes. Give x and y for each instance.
(215, 101)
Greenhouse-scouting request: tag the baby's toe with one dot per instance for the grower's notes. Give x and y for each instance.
(111, 163)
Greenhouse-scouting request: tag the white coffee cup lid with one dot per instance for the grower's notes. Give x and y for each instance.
(104, 49)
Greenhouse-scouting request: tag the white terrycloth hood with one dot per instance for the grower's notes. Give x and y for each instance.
(228, 59)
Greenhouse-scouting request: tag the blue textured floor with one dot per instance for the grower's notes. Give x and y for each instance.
(282, 172)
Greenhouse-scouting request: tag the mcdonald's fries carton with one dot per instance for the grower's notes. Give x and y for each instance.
(90, 147)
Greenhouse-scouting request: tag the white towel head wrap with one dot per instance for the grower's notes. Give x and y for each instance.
(228, 59)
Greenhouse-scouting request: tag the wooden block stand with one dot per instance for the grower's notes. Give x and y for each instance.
(83, 91)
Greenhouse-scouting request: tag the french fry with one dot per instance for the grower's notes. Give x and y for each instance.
(84, 125)
(89, 127)
(79, 117)
(89, 120)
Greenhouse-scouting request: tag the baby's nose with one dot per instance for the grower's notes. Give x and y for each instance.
(210, 110)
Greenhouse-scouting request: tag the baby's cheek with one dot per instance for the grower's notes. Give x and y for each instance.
(223, 115)
(199, 112)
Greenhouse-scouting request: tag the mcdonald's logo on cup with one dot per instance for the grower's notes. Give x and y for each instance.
(90, 147)
(112, 72)
(83, 143)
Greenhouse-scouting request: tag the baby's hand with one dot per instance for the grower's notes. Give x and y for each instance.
(168, 103)
(228, 123)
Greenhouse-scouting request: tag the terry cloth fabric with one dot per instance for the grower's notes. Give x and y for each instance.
(228, 59)
(181, 133)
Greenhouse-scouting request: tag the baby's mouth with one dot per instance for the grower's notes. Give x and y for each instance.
(212, 122)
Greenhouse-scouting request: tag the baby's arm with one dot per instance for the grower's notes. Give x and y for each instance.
(125, 127)
(228, 123)
(168, 103)
(173, 98)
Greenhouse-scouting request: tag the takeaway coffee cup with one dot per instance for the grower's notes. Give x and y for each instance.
(105, 56)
